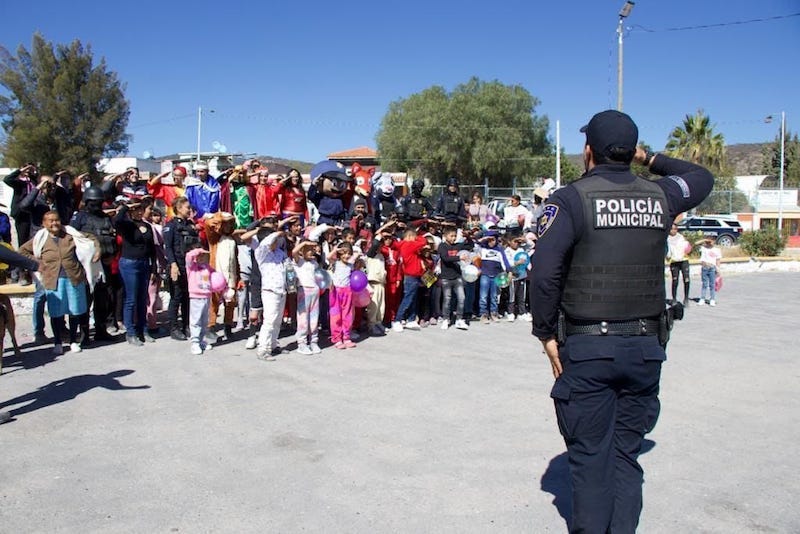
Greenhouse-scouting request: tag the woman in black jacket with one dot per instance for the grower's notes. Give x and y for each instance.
(137, 264)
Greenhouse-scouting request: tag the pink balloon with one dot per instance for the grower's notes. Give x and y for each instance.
(218, 282)
(361, 298)
(358, 281)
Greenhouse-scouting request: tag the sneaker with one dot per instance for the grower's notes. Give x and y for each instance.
(5, 417)
(686, 302)
(433, 321)
(511, 317)
(196, 349)
(315, 348)
(252, 341)
(148, 338)
(304, 349)
(397, 326)
(377, 330)
(423, 323)
(445, 324)
(58, 349)
(206, 346)
(712, 302)
(412, 325)
(102, 335)
(701, 302)
(355, 335)
(495, 317)
(211, 337)
(485, 319)
(348, 344)
(178, 335)
(41, 339)
(75, 347)
(461, 324)
(135, 341)
(340, 345)
(228, 332)
(276, 351)
(265, 356)
(527, 317)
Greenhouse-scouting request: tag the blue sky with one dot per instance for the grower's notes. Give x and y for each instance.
(302, 79)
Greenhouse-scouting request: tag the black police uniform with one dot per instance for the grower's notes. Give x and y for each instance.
(100, 225)
(600, 260)
(451, 207)
(416, 207)
(180, 236)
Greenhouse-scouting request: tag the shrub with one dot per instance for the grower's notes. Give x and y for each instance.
(763, 242)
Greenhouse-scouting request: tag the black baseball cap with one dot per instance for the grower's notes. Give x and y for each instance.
(611, 129)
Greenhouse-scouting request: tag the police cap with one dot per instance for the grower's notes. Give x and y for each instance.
(611, 132)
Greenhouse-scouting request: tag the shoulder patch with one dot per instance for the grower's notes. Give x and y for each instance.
(548, 216)
(682, 184)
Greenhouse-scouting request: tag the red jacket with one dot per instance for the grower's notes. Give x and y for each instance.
(409, 253)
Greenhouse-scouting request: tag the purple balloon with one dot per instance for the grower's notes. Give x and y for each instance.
(358, 280)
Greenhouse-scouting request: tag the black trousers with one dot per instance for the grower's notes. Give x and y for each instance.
(676, 269)
(178, 298)
(606, 400)
(101, 300)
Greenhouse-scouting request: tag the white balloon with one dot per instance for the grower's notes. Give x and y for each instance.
(470, 273)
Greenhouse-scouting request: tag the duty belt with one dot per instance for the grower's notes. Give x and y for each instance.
(635, 327)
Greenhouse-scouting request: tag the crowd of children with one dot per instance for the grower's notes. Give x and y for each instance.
(328, 280)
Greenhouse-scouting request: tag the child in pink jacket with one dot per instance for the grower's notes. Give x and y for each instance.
(198, 276)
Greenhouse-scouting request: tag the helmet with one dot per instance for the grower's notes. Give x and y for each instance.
(452, 181)
(93, 193)
(418, 185)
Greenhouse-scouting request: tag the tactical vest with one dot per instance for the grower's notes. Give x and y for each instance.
(416, 208)
(617, 267)
(451, 205)
(101, 227)
(189, 238)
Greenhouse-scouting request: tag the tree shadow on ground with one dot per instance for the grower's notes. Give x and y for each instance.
(555, 481)
(67, 389)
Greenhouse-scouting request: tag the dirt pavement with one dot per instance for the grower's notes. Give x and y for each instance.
(431, 431)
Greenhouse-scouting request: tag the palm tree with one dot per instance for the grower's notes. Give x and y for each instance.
(697, 142)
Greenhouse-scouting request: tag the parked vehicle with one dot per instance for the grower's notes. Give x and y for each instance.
(497, 206)
(725, 231)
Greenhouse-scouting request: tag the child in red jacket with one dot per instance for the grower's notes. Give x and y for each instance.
(410, 250)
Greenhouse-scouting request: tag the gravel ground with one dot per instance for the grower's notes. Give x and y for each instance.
(431, 431)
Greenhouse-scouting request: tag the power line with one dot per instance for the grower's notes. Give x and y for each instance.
(162, 121)
(716, 25)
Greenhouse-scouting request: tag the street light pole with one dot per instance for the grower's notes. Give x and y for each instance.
(558, 154)
(623, 14)
(780, 198)
(199, 124)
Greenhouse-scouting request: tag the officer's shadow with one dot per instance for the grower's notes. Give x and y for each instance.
(67, 389)
(555, 480)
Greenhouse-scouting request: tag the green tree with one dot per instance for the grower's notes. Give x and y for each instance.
(696, 141)
(791, 159)
(544, 167)
(725, 198)
(479, 129)
(61, 111)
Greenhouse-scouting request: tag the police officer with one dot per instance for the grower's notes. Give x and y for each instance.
(180, 236)
(417, 206)
(599, 262)
(450, 204)
(93, 220)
